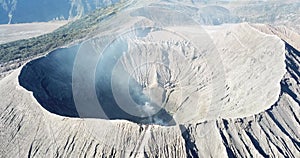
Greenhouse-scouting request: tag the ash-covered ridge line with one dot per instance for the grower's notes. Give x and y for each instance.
(272, 133)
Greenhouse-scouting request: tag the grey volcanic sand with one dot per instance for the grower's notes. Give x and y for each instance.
(13, 32)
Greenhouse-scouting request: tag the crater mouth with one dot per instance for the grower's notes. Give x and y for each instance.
(143, 79)
(166, 81)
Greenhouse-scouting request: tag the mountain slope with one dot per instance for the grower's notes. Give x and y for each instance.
(14, 11)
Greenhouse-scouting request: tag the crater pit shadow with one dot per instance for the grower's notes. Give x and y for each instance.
(50, 80)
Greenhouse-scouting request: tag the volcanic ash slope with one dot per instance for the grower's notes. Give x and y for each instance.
(257, 113)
